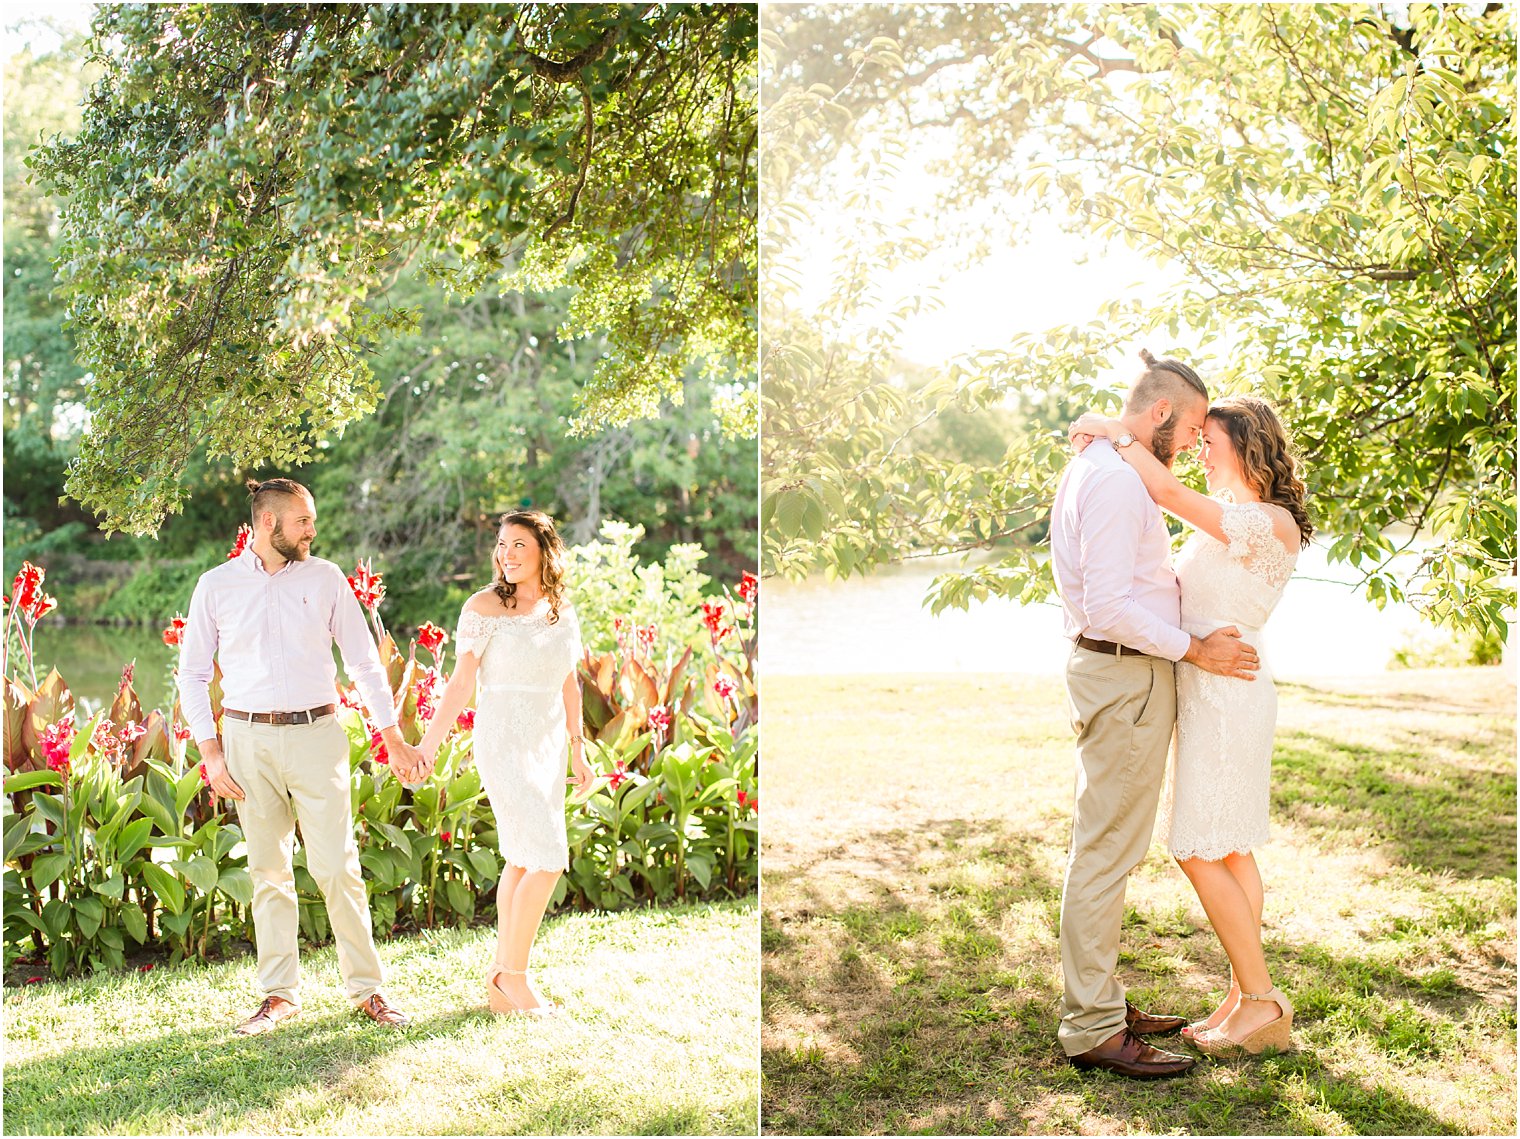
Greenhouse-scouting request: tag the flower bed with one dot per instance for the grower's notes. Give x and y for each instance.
(113, 841)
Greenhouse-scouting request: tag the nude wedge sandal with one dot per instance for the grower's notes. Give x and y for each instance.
(1276, 1034)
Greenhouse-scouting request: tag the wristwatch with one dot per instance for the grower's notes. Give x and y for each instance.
(1124, 439)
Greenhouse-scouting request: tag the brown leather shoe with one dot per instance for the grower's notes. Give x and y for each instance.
(381, 1012)
(271, 1012)
(1148, 1023)
(1125, 1054)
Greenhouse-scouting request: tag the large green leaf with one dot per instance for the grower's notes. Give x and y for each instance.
(169, 889)
(26, 780)
(88, 912)
(135, 923)
(111, 887)
(133, 837)
(485, 864)
(237, 884)
(461, 898)
(199, 871)
(47, 869)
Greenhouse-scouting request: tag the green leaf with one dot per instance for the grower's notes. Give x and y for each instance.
(237, 884)
(88, 912)
(485, 864)
(110, 888)
(47, 869)
(135, 922)
(169, 890)
(27, 780)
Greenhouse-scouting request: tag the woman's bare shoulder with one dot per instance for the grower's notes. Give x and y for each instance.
(486, 603)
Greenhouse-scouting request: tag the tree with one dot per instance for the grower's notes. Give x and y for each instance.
(42, 97)
(249, 179)
(1337, 182)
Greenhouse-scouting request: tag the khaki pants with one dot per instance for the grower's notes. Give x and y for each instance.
(290, 772)
(1124, 710)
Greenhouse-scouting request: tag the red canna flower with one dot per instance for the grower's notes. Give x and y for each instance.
(104, 741)
(377, 748)
(126, 674)
(33, 980)
(27, 586)
(659, 718)
(446, 837)
(57, 740)
(145, 968)
(749, 587)
(618, 775)
(175, 633)
(712, 617)
(206, 779)
(725, 686)
(432, 638)
(367, 586)
(646, 636)
(240, 543)
(427, 691)
(41, 607)
(467, 719)
(743, 798)
(132, 732)
(182, 734)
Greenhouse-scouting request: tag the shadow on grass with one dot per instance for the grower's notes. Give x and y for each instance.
(1448, 702)
(738, 1117)
(1433, 818)
(140, 1085)
(913, 984)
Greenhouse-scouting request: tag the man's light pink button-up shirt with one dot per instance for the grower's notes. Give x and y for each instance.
(273, 635)
(1111, 556)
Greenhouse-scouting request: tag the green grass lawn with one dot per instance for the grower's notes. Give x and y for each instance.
(660, 1040)
(915, 839)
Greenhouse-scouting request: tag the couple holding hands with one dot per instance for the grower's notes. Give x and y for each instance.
(270, 616)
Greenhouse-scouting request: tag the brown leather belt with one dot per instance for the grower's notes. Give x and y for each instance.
(310, 716)
(1110, 648)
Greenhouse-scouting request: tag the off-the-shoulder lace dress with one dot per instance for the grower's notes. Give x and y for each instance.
(1218, 781)
(521, 746)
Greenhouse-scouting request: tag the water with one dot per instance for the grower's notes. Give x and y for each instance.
(1322, 627)
(90, 659)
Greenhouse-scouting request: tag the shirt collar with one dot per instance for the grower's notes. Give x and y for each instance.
(256, 563)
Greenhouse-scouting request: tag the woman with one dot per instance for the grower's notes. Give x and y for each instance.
(1232, 570)
(520, 639)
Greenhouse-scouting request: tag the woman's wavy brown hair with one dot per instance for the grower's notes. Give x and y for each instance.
(1266, 458)
(551, 560)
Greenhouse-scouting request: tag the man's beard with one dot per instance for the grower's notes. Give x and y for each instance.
(291, 551)
(1161, 441)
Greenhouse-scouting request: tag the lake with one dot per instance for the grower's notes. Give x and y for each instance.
(90, 659)
(878, 624)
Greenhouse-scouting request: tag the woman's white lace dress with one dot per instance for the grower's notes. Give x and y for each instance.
(1218, 780)
(521, 746)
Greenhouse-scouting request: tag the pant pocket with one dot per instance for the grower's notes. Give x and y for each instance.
(1147, 701)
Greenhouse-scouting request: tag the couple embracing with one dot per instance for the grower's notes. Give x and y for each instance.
(270, 617)
(1157, 651)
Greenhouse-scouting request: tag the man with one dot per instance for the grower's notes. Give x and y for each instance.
(1110, 552)
(271, 615)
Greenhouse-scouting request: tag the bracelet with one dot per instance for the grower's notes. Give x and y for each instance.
(578, 739)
